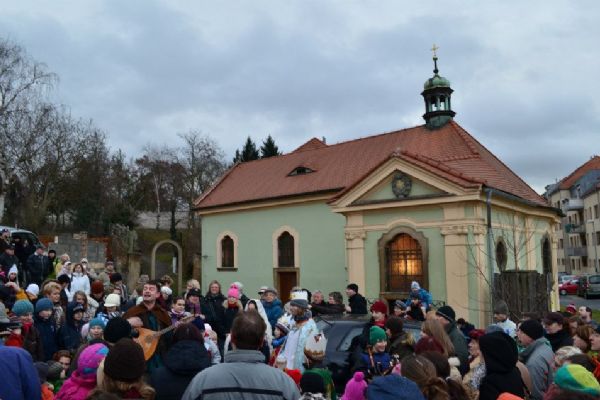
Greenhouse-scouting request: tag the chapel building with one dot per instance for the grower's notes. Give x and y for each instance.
(428, 204)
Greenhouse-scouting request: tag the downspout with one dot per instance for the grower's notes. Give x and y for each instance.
(488, 204)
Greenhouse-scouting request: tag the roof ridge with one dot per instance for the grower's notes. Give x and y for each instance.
(581, 167)
(541, 198)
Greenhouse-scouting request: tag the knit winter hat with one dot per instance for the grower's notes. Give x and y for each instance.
(415, 285)
(295, 374)
(501, 307)
(90, 358)
(376, 335)
(112, 300)
(13, 270)
(447, 313)
(355, 388)
(379, 306)
(532, 328)
(22, 307)
(571, 309)
(33, 289)
(578, 379)
(42, 370)
(43, 305)
(166, 290)
(394, 386)
(116, 277)
(125, 361)
(312, 383)
(400, 304)
(233, 292)
(97, 287)
(116, 329)
(54, 370)
(97, 322)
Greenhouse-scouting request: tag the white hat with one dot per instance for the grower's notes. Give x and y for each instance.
(33, 289)
(112, 300)
(84, 260)
(13, 270)
(299, 295)
(166, 290)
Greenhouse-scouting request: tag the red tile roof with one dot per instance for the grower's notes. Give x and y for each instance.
(592, 164)
(449, 152)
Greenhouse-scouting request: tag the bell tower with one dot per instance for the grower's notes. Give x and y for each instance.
(437, 94)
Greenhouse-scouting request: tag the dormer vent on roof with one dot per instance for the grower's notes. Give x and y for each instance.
(301, 170)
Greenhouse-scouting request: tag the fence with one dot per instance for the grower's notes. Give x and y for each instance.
(523, 291)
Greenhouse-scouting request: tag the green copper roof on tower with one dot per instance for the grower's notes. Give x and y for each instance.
(437, 93)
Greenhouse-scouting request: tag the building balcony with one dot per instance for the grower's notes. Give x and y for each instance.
(575, 228)
(576, 251)
(574, 205)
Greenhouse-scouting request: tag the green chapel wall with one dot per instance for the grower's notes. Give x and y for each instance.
(321, 246)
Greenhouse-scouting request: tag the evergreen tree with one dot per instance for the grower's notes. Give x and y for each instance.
(269, 148)
(248, 153)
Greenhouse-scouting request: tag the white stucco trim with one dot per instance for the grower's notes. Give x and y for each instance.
(295, 235)
(235, 248)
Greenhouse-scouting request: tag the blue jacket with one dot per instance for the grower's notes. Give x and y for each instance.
(20, 380)
(382, 361)
(274, 310)
(425, 298)
(47, 330)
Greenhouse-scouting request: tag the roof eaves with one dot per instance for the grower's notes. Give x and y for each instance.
(266, 199)
(214, 186)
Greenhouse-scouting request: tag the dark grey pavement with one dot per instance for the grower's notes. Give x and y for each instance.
(594, 303)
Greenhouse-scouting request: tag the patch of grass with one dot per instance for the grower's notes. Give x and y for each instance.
(595, 313)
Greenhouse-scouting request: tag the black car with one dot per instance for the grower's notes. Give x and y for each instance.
(342, 333)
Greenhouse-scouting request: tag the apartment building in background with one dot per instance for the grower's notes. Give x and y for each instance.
(578, 235)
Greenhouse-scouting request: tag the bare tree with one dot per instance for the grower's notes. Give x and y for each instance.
(24, 83)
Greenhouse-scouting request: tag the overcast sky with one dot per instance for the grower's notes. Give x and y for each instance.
(525, 73)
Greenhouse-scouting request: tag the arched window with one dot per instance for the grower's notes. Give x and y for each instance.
(227, 252)
(546, 256)
(285, 250)
(501, 255)
(404, 263)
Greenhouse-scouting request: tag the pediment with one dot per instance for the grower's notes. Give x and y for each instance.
(398, 180)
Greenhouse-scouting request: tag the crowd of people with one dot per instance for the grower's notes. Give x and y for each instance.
(68, 332)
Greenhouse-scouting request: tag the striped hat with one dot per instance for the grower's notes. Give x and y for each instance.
(578, 379)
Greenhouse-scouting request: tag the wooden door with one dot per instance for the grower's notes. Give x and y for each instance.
(286, 280)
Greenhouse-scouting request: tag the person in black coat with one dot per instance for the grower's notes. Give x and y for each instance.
(557, 331)
(37, 266)
(499, 352)
(69, 335)
(186, 357)
(213, 310)
(357, 304)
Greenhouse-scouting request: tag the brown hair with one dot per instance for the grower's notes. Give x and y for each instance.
(212, 283)
(62, 353)
(85, 300)
(248, 330)
(119, 387)
(584, 332)
(442, 368)
(422, 372)
(166, 280)
(434, 328)
(187, 332)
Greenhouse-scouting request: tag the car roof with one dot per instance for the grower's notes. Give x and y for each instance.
(353, 318)
(12, 229)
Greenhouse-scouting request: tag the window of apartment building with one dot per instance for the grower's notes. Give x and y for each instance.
(560, 243)
(584, 261)
(595, 211)
(597, 238)
(572, 263)
(583, 240)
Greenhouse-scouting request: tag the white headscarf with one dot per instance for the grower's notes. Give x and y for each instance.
(263, 314)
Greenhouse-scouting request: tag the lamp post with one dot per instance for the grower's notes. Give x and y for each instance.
(591, 221)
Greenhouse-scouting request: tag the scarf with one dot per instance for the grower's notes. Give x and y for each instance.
(304, 317)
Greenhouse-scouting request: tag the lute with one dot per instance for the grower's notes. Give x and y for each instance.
(148, 338)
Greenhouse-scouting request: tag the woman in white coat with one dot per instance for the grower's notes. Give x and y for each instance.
(79, 282)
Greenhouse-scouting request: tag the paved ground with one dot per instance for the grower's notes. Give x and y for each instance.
(580, 301)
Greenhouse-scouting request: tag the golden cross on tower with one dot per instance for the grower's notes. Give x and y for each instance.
(434, 49)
